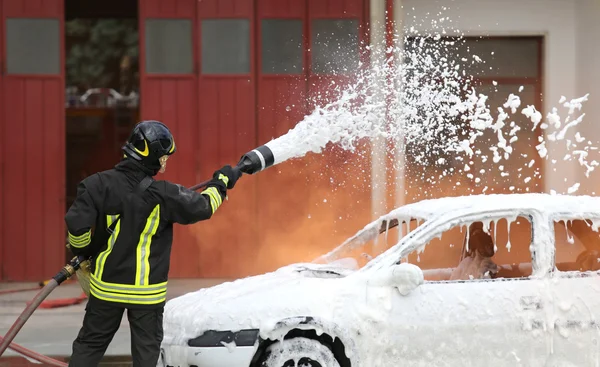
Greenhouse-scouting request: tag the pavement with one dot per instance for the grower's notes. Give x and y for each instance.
(52, 331)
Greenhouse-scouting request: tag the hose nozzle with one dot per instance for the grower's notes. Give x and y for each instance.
(68, 270)
(256, 160)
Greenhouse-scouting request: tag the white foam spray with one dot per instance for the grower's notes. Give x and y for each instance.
(435, 106)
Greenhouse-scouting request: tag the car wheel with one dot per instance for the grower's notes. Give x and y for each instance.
(298, 352)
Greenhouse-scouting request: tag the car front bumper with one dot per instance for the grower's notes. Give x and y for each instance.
(213, 349)
(185, 356)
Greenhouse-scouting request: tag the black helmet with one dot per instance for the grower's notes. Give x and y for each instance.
(149, 141)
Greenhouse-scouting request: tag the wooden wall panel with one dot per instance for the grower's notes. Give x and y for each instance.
(227, 130)
(32, 189)
(173, 99)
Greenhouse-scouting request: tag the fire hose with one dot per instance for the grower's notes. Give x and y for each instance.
(65, 273)
(250, 163)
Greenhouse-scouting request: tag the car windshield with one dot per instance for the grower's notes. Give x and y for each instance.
(370, 242)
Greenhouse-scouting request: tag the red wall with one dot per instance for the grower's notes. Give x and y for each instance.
(282, 196)
(2, 134)
(32, 185)
(217, 118)
(173, 99)
(227, 121)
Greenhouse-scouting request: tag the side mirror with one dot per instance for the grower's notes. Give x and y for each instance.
(406, 277)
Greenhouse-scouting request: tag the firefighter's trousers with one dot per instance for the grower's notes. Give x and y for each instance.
(101, 322)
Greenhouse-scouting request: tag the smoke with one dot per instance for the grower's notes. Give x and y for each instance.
(302, 209)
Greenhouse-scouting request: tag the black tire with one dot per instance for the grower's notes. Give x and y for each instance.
(298, 352)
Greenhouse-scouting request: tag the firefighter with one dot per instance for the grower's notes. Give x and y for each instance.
(123, 219)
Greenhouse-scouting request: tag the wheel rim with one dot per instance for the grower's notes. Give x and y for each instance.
(307, 362)
(302, 362)
(300, 352)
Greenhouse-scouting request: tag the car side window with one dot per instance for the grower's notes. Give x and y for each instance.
(477, 250)
(577, 245)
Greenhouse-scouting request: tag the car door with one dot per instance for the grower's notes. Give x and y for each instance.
(490, 322)
(575, 290)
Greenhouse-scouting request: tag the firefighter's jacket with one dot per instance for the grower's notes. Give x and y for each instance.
(130, 262)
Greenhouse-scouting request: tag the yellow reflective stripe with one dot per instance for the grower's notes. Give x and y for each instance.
(151, 289)
(214, 193)
(80, 241)
(224, 178)
(146, 151)
(214, 205)
(218, 196)
(101, 260)
(215, 198)
(213, 202)
(143, 248)
(128, 298)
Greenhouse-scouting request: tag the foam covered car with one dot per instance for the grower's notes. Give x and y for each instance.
(483, 280)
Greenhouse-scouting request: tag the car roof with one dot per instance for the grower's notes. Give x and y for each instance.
(547, 203)
(429, 209)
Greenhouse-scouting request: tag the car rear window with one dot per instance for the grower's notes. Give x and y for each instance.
(577, 243)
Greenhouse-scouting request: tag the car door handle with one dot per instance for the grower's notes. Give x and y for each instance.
(531, 303)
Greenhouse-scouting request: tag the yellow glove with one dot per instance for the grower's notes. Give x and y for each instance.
(83, 276)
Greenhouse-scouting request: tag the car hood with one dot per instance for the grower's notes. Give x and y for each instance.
(258, 301)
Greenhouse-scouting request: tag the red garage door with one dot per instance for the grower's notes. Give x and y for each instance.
(282, 102)
(32, 139)
(337, 29)
(227, 129)
(169, 94)
(304, 47)
(251, 68)
(338, 35)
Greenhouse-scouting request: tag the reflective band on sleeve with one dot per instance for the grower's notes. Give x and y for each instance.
(101, 260)
(215, 198)
(80, 241)
(213, 202)
(143, 248)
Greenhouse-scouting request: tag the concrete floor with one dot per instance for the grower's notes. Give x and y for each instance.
(52, 331)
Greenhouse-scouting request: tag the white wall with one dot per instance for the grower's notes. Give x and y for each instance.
(588, 79)
(564, 71)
